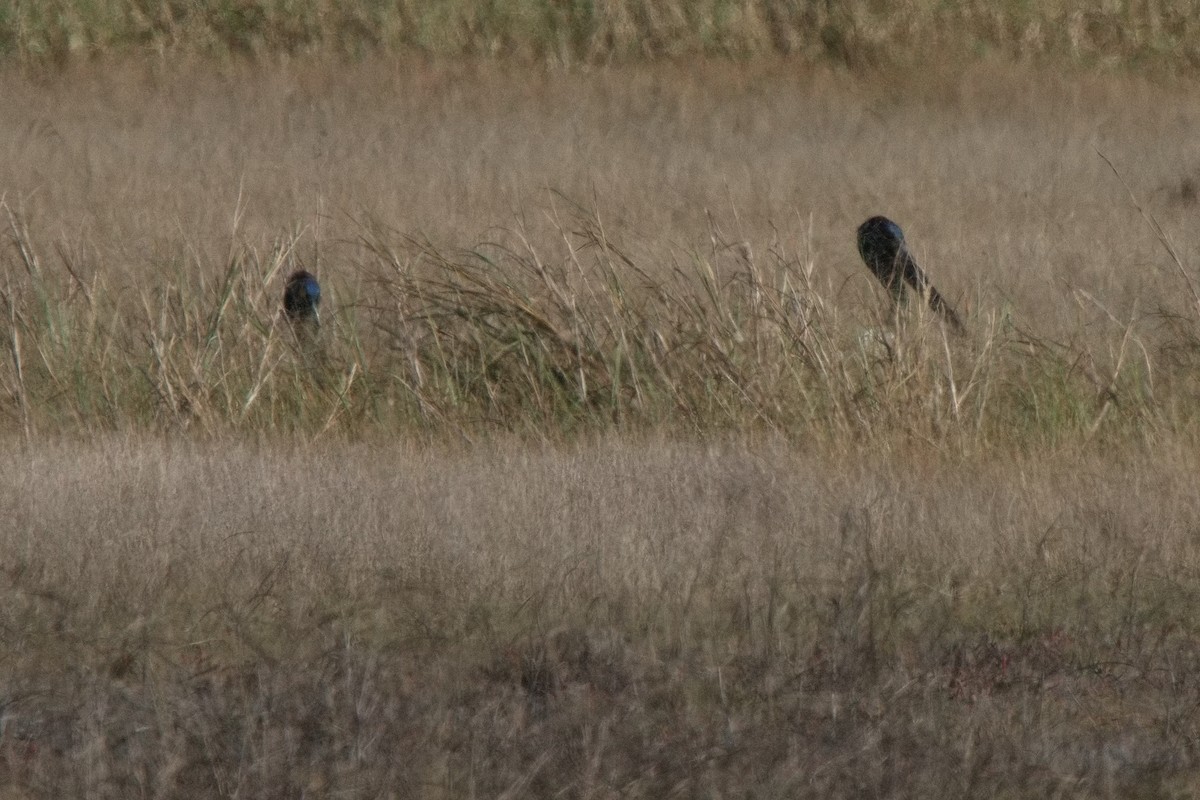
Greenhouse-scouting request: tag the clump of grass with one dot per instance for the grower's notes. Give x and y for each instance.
(505, 336)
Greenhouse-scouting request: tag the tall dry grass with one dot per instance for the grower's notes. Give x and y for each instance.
(553, 253)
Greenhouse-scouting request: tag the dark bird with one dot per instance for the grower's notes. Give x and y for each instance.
(301, 296)
(882, 247)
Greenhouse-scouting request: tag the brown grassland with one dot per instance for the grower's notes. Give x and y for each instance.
(610, 472)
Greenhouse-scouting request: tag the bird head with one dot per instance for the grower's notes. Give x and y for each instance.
(881, 245)
(879, 235)
(302, 296)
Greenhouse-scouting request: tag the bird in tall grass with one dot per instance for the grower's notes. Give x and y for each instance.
(301, 298)
(882, 247)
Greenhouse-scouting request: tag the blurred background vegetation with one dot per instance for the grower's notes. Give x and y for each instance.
(1158, 34)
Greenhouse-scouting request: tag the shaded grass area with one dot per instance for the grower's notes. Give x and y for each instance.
(1157, 33)
(633, 619)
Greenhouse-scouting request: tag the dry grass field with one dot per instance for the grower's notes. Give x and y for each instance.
(610, 471)
(540, 252)
(634, 619)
